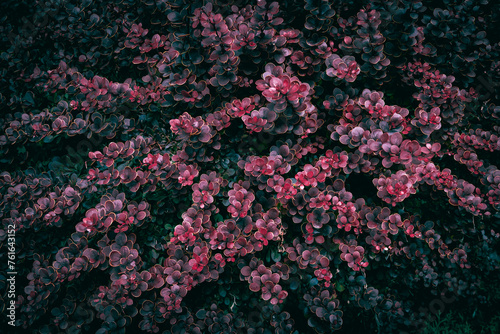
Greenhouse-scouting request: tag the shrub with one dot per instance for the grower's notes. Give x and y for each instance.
(220, 167)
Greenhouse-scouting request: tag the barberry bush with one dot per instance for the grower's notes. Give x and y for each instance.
(248, 167)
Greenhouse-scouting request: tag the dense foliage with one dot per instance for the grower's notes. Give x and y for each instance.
(248, 167)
